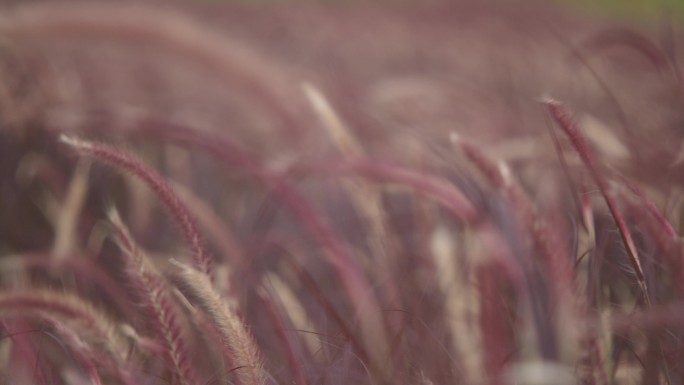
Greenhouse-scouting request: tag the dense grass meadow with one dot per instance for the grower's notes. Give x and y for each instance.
(477, 193)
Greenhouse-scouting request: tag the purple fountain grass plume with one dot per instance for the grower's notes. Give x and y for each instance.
(577, 55)
(238, 344)
(572, 131)
(217, 230)
(157, 297)
(173, 203)
(366, 198)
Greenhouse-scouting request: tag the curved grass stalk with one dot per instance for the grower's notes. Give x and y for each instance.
(157, 296)
(217, 230)
(366, 198)
(359, 290)
(154, 181)
(239, 345)
(572, 131)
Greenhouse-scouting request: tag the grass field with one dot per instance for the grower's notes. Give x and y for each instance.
(215, 193)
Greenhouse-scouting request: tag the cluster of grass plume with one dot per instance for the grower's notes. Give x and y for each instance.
(140, 249)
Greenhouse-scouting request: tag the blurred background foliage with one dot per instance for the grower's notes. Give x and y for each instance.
(636, 10)
(633, 10)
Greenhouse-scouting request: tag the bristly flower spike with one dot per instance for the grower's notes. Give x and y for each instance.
(156, 182)
(563, 118)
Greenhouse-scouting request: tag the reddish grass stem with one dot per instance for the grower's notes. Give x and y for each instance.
(563, 118)
(355, 282)
(156, 295)
(156, 182)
